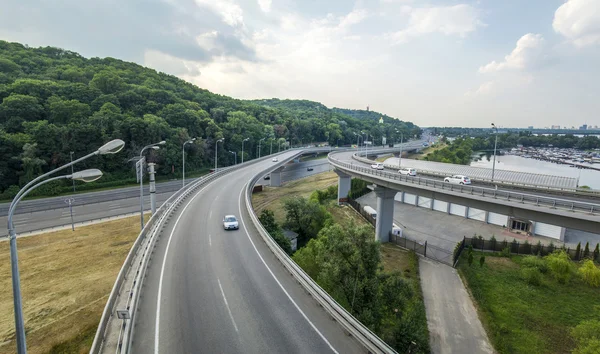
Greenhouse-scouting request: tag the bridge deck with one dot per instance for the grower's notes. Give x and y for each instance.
(485, 174)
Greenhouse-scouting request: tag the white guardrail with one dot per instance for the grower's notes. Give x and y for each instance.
(523, 198)
(370, 341)
(121, 307)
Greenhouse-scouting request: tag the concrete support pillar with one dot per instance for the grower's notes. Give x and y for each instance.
(276, 178)
(448, 206)
(297, 160)
(402, 196)
(385, 213)
(344, 183)
(152, 187)
(416, 200)
(466, 212)
(487, 214)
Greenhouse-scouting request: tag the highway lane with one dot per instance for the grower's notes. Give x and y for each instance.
(216, 291)
(54, 212)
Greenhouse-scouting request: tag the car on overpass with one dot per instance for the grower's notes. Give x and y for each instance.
(275, 159)
(230, 222)
(458, 179)
(377, 166)
(407, 171)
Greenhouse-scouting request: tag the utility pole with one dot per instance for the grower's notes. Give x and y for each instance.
(243, 148)
(70, 202)
(72, 170)
(152, 188)
(495, 144)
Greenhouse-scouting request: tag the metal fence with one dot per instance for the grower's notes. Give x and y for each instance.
(522, 248)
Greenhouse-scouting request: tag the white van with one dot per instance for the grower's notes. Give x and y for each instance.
(367, 209)
(408, 171)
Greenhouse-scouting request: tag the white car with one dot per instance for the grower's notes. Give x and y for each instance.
(230, 223)
(377, 166)
(458, 179)
(275, 159)
(407, 171)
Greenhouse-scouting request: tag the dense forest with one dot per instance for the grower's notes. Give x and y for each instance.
(55, 101)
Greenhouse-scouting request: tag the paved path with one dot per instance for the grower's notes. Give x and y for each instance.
(451, 317)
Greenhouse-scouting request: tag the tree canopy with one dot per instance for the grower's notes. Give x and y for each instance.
(66, 103)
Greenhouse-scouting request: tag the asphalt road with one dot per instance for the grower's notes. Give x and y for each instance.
(209, 290)
(40, 214)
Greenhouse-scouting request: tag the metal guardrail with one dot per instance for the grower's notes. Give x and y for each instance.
(360, 332)
(523, 198)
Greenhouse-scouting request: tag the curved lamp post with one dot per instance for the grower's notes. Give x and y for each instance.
(154, 146)
(183, 153)
(259, 146)
(495, 144)
(243, 148)
(234, 156)
(111, 147)
(216, 148)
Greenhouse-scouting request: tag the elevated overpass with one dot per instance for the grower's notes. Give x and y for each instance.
(188, 286)
(498, 202)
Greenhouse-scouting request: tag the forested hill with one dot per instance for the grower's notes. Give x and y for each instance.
(55, 101)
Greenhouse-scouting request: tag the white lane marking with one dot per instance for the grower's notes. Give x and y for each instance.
(217, 197)
(209, 241)
(227, 305)
(162, 270)
(210, 214)
(277, 280)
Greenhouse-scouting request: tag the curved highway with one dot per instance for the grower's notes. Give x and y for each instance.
(215, 291)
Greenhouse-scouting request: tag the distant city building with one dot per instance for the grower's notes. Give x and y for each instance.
(583, 127)
(530, 127)
(556, 127)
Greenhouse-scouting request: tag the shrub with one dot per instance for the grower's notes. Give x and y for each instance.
(532, 276)
(590, 273)
(481, 260)
(596, 256)
(538, 248)
(505, 252)
(535, 262)
(578, 251)
(586, 251)
(587, 337)
(493, 242)
(526, 247)
(470, 258)
(560, 265)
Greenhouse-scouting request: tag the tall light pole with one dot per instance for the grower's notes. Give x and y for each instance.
(243, 148)
(358, 137)
(367, 146)
(259, 146)
(401, 147)
(216, 149)
(71, 153)
(271, 150)
(111, 147)
(495, 144)
(154, 146)
(234, 156)
(183, 153)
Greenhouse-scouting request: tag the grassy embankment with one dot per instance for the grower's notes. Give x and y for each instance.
(524, 318)
(66, 278)
(428, 150)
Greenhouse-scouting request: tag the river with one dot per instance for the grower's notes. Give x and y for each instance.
(590, 178)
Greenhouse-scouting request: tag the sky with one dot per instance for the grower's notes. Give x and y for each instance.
(436, 63)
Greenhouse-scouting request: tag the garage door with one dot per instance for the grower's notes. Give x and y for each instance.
(440, 206)
(456, 209)
(398, 197)
(425, 202)
(547, 230)
(497, 219)
(410, 198)
(476, 214)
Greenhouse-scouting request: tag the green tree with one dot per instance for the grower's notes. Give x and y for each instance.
(596, 256)
(32, 165)
(587, 337)
(560, 265)
(590, 273)
(305, 217)
(578, 251)
(586, 251)
(108, 82)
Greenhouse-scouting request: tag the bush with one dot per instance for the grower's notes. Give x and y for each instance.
(578, 251)
(590, 273)
(505, 252)
(470, 258)
(586, 251)
(532, 276)
(481, 260)
(587, 337)
(535, 262)
(596, 256)
(560, 265)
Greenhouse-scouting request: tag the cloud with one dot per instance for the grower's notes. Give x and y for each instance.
(265, 5)
(448, 20)
(528, 51)
(230, 12)
(483, 89)
(170, 64)
(579, 21)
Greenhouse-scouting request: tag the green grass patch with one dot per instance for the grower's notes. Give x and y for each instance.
(520, 316)
(81, 343)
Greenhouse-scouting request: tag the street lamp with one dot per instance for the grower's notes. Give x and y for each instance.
(259, 146)
(183, 153)
(401, 146)
(154, 146)
(111, 147)
(216, 148)
(243, 148)
(495, 144)
(358, 137)
(234, 156)
(71, 153)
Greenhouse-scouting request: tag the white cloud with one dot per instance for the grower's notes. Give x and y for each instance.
(448, 20)
(527, 52)
(483, 89)
(353, 18)
(230, 12)
(170, 64)
(265, 5)
(579, 21)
